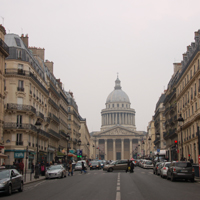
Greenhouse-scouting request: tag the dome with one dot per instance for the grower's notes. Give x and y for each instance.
(118, 95)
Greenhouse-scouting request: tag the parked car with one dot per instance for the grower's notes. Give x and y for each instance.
(95, 165)
(117, 165)
(155, 168)
(160, 167)
(148, 164)
(180, 170)
(55, 171)
(10, 180)
(78, 166)
(164, 169)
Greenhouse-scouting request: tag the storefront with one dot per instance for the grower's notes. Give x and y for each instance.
(42, 156)
(50, 154)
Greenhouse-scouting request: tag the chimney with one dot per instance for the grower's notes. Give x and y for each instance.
(38, 52)
(25, 39)
(49, 65)
(177, 66)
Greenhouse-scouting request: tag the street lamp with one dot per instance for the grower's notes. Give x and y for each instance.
(38, 125)
(93, 150)
(180, 122)
(67, 138)
(143, 147)
(88, 144)
(79, 143)
(149, 145)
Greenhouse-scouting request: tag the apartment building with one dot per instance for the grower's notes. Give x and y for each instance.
(4, 52)
(170, 113)
(159, 123)
(188, 104)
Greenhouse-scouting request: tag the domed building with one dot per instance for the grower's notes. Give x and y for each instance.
(118, 138)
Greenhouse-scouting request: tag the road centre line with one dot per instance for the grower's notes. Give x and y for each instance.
(118, 188)
(118, 196)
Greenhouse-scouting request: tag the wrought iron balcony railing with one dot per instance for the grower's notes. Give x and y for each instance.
(44, 133)
(10, 125)
(21, 89)
(54, 90)
(52, 132)
(21, 107)
(19, 143)
(47, 120)
(53, 117)
(40, 115)
(53, 104)
(4, 46)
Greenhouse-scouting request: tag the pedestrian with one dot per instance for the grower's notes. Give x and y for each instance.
(132, 167)
(83, 167)
(191, 161)
(21, 167)
(70, 170)
(42, 168)
(32, 168)
(128, 166)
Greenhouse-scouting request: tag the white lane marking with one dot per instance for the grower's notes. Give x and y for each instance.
(118, 184)
(39, 183)
(118, 196)
(118, 188)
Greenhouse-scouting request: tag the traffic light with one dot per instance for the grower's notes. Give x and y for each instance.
(175, 141)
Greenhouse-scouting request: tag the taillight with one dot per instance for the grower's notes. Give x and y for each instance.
(164, 168)
(192, 169)
(174, 169)
(97, 165)
(157, 167)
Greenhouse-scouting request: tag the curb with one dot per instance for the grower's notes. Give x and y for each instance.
(36, 180)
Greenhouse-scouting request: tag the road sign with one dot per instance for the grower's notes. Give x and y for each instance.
(158, 150)
(78, 152)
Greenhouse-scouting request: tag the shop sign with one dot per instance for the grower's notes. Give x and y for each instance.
(18, 154)
(31, 157)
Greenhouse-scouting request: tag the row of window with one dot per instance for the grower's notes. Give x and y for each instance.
(189, 111)
(118, 105)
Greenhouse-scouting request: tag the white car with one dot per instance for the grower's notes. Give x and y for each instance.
(148, 164)
(55, 171)
(78, 166)
(85, 164)
(164, 169)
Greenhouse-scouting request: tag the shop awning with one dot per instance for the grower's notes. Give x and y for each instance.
(60, 154)
(3, 155)
(71, 155)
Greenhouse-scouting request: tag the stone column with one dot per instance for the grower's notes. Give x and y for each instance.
(131, 147)
(125, 118)
(106, 152)
(120, 118)
(115, 118)
(112, 119)
(114, 150)
(122, 148)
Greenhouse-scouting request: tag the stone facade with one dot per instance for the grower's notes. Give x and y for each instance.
(4, 52)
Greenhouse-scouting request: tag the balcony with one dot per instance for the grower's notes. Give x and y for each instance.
(53, 133)
(44, 133)
(40, 115)
(20, 89)
(157, 140)
(4, 48)
(10, 125)
(30, 92)
(53, 117)
(19, 143)
(21, 107)
(54, 90)
(47, 120)
(53, 104)
(63, 133)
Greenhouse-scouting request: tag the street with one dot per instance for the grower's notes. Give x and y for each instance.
(101, 185)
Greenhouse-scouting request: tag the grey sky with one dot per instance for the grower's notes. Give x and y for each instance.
(89, 41)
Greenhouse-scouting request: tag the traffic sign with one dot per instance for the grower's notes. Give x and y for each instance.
(158, 150)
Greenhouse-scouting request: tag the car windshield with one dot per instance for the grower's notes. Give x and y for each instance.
(182, 164)
(94, 163)
(53, 167)
(78, 164)
(4, 174)
(167, 165)
(149, 163)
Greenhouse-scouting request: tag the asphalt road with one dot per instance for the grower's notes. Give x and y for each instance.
(117, 185)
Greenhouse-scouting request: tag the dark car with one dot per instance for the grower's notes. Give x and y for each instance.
(10, 180)
(155, 168)
(180, 170)
(95, 165)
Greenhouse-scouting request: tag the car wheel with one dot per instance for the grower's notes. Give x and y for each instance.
(9, 190)
(186, 180)
(110, 169)
(192, 179)
(172, 177)
(21, 187)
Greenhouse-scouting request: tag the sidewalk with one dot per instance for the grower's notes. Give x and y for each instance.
(197, 179)
(30, 178)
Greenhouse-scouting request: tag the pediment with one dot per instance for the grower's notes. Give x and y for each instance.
(118, 131)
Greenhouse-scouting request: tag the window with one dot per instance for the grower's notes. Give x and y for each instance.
(122, 105)
(69, 117)
(195, 89)
(69, 109)
(194, 69)
(17, 40)
(19, 53)
(198, 63)
(117, 105)
(190, 74)
(19, 120)
(20, 84)
(113, 105)
(20, 66)
(196, 106)
(192, 110)
(19, 139)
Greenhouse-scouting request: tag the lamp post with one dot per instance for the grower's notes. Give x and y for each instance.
(143, 147)
(67, 138)
(88, 144)
(180, 122)
(38, 125)
(149, 145)
(157, 137)
(79, 143)
(140, 148)
(93, 150)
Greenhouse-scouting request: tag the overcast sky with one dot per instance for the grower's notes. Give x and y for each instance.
(89, 41)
